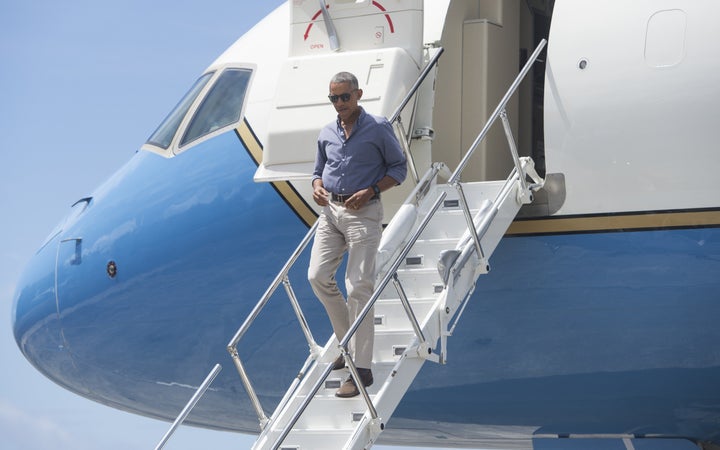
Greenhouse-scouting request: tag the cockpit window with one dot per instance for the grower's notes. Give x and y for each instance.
(222, 106)
(163, 136)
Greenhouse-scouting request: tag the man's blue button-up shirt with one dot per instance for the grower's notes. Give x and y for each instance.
(349, 165)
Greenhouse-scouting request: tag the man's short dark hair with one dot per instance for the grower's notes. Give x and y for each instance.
(346, 77)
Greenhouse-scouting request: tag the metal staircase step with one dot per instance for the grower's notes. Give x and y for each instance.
(426, 254)
(390, 314)
(315, 439)
(331, 412)
(417, 283)
(446, 224)
(389, 346)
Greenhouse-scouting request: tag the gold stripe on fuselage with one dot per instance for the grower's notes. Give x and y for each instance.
(615, 222)
(531, 226)
(284, 188)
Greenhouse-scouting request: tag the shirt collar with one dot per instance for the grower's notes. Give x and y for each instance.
(357, 122)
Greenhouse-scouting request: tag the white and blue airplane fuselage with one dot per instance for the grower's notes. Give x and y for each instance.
(599, 317)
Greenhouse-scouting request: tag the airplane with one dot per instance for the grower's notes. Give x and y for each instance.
(596, 319)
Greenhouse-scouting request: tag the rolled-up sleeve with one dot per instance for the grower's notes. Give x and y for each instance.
(320, 159)
(395, 161)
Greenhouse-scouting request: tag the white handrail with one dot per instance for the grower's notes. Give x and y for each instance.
(395, 119)
(417, 84)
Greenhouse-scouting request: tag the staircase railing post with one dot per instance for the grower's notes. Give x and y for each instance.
(513, 149)
(469, 220)
(400, 129)
(262, 417)
(358, 382)
(314, 347)
(408, 309)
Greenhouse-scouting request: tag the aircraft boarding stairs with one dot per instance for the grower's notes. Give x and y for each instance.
(430, 258)
(432, 261)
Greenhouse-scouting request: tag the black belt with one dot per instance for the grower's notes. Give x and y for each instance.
(339, 198)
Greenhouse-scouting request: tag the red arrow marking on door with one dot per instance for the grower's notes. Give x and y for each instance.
(307, 32)
(376, 4)
(387, 16)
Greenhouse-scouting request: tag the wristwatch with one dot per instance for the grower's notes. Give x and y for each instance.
(376, 190)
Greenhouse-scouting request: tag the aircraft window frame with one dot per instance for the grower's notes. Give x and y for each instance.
(196, 100)
(218, 110)
(169, 127)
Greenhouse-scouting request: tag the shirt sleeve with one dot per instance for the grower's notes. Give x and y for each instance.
(320, 159)
(395, 161)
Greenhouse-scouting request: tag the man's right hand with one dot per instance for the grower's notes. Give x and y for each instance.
(320, 195)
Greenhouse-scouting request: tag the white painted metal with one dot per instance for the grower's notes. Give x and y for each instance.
(627, 112)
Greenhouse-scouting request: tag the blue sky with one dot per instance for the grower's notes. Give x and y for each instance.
(83, 84)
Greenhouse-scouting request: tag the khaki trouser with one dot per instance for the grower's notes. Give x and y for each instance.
(357, 232)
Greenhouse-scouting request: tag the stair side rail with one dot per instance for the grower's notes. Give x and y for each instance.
(281, 277)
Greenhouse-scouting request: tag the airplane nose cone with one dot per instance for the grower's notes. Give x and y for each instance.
(136, 294)
(69, 272)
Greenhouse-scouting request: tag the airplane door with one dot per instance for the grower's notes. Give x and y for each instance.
(74, 270)
(68, 268)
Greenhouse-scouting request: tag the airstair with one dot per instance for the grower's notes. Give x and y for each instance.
(431, 256)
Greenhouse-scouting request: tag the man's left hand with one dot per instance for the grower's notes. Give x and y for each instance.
(359, 199)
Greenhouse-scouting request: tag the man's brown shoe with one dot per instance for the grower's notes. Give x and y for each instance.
(339, 363)
(349, 389)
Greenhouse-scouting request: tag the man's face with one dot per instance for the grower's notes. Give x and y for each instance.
(345, 109)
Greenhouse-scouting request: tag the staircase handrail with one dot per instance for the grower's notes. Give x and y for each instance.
(499, 109)
(232, 345)
(431, 63)
(395, 119)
